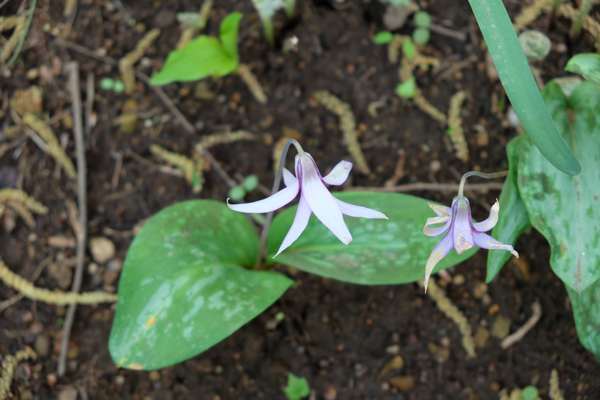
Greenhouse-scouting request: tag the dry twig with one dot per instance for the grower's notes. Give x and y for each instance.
(81, 231)
(452, 312)
(126, 63)
(347, 125)
(513, 338)
(252, 82)
(8, 369)
(555, 393)
(455, 128)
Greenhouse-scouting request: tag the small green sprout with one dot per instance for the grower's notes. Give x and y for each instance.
(586, 65)
(237, 193)
(422, 19)
(204, 56)
(529, 393)
(267, 9)
(421, 34)
(535, 44)
(409, 50)
(112, 85)
(407, 89)
(383, 37)
(297, 388)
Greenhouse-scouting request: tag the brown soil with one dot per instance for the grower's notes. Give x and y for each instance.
(338, 336)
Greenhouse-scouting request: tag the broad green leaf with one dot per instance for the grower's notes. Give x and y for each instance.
(228, 32)
(297, 388)
(517, 79)
(382, 251)
(183, 289)
(586, 65)
(513, 218)
(200, 58)
(565, 208)
(586, 311)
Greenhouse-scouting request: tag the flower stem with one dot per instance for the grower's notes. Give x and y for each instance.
(484, 175)
(276, 183)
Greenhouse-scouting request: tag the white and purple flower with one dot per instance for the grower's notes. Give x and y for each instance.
(462, 233)
(314, 198)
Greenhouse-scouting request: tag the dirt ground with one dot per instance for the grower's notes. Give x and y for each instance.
(339, 337)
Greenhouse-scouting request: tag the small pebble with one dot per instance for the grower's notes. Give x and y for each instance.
(67, 393)
(102, 249)
(501, 327)
(42, 345)
(330, 393)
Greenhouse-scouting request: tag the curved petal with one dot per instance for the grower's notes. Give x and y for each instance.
(271, 203)
(359, 211)
(440, 251)
(485, 241)
(300, 222)
(461, 232)
(338, 174)
(491, 221)
(288, 178)
(429, 230)
(440, 210)
(320, 201)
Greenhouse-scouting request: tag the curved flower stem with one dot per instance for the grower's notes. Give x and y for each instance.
(484, 175)
(276, 183)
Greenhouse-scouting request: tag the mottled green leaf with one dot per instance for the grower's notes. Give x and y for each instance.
(513, 218)
(565, 208)
(183, 289)
(586, 65)
(517, 80)
(382, 251)
(586, 311)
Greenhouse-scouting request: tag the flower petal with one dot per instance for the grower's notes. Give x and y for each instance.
(440, 251)
(491, 221)
(288, 178)
(485, 241)
(271, 203)
(359, 211)
(440, 210)
(339, 173)
(300, 222)
(320, 201)
(429, 230)
(461, 232)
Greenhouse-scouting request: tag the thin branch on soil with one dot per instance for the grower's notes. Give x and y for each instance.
(448, 32)
(520, 333)
(18, 297)
(8, 369)
(555, 393)
(56, 297)
(81, 232)
(432, 187)
(166, 100)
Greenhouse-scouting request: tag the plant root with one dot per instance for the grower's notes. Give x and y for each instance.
(9, 365)
(455, 127)
(126, 63)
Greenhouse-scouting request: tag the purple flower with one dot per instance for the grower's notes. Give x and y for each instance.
(315, 198)
(461, 232)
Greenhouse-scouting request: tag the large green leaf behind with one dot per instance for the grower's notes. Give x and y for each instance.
(565, 209)
(183, 289)
(382, 251)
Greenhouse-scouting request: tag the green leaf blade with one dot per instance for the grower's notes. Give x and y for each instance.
(564, 209)
(199, 59)
(586, 312)
(382, 252)
(182, 289)
(520, 86)
(228, 32)
(513, 219)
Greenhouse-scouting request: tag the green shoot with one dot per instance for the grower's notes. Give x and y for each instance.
(297, 388)
(407, 89)
(383, 37)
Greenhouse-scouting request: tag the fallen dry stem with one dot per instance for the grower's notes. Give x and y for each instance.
(191, 169)
(223, 138)
(252, 82)
(16, 196)
(451, 311)
(126, 63)
(55, 297)
(53, 147)
(190, 32)
(455, 127)
(536, 309)
(9, 365)
(433, 187)
(347, 126)
(555, 393)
